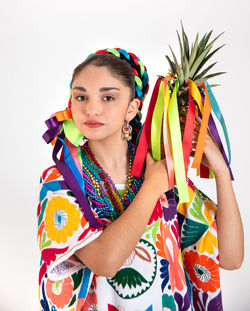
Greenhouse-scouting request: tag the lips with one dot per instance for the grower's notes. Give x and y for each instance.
(93, 123)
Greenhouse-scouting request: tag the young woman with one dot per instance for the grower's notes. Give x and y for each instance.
(110, 241)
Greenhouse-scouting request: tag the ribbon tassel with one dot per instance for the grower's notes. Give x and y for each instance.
(163, 123)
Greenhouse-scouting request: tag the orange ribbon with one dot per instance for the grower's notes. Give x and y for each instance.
(203, 130)
(63, 115)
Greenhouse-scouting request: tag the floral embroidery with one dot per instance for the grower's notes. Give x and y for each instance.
(168, 249)
(60, 292)
(208, 242)
(203, 271)
(157, 213)
(154, 270)
(168, 303)
(137, 273)
(62, 218)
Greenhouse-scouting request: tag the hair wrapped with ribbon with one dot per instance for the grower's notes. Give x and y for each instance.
(184, 91)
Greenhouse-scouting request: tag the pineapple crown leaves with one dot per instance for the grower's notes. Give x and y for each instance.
(193, 58)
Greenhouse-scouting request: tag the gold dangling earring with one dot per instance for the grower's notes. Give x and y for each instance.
(127, 130)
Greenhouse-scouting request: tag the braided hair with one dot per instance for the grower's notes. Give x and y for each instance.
(129, 69)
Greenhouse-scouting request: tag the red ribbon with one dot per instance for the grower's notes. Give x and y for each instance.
(145, 135)
(204, 171)
(188, 132)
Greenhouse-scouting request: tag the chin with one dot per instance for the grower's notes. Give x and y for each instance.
(101, 135)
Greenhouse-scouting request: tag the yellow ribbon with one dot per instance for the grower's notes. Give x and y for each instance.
(195, 94)
(166, 137)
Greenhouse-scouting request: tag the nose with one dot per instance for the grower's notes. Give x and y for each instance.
(93, 107)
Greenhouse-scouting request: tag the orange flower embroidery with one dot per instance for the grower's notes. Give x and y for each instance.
(60, 292)
(168, 248)
(203, 271)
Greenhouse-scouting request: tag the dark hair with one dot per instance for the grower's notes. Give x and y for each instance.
(120, 69)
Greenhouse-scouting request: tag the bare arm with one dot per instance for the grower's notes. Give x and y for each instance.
(230, 229)
(229, 224)
(106, 254)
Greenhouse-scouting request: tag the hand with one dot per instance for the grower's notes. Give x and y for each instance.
(156, 174)
(212, 157)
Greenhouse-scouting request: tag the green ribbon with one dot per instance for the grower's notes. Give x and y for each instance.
(72, 133)
(156, 125)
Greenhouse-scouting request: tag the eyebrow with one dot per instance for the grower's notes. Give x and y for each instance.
(102, 89)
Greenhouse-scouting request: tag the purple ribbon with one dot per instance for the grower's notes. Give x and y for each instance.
(216, 136)
(53, 128)
(73, 185)
(214, 132)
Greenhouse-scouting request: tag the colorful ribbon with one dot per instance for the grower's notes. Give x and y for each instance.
(176, 144)
(166, 138)
(145, 135)
(73, 179)
(162, 121)
(188, 132)
(203, 130)
(219, 116)
(156, 126)
(163, 118)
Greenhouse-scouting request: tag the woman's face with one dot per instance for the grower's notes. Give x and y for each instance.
(100, 103)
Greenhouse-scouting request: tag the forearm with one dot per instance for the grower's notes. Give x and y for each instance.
(230, 229)
(108, 252)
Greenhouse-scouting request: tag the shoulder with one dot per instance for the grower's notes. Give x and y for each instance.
(52, 181)
(51, 173)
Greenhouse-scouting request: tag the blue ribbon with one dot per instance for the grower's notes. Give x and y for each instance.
(219, 116)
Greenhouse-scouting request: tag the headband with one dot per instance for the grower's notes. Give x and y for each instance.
(139, 70)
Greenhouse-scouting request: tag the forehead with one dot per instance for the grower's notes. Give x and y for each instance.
(99, 75)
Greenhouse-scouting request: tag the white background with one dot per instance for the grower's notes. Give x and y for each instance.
(40, 44)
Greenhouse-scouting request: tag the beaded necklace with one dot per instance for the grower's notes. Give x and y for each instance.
(102, 191)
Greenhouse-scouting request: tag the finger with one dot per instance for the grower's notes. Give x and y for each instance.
(197, 127)
(198, 119)
(196, 133)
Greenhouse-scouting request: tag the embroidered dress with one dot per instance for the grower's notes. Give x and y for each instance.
(175, 265)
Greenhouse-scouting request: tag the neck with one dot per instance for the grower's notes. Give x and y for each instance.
(110, 154)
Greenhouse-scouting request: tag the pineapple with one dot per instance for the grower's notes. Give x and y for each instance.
(191, 67)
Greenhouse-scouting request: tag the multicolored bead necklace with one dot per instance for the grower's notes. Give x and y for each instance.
(102, 191)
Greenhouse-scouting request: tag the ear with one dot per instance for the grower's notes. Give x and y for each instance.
(132, 109)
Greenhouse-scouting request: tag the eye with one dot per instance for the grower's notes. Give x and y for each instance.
(81, 98)
(108, 98)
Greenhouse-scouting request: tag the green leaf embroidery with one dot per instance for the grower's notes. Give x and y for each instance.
(73, 300)
(77, 278)
(196, 209)
(192, 232)
(154, 227)
(168, 302)
(45, 244)
(130, 277)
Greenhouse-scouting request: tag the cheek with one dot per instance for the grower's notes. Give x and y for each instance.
(75, 113)
(117, 115)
